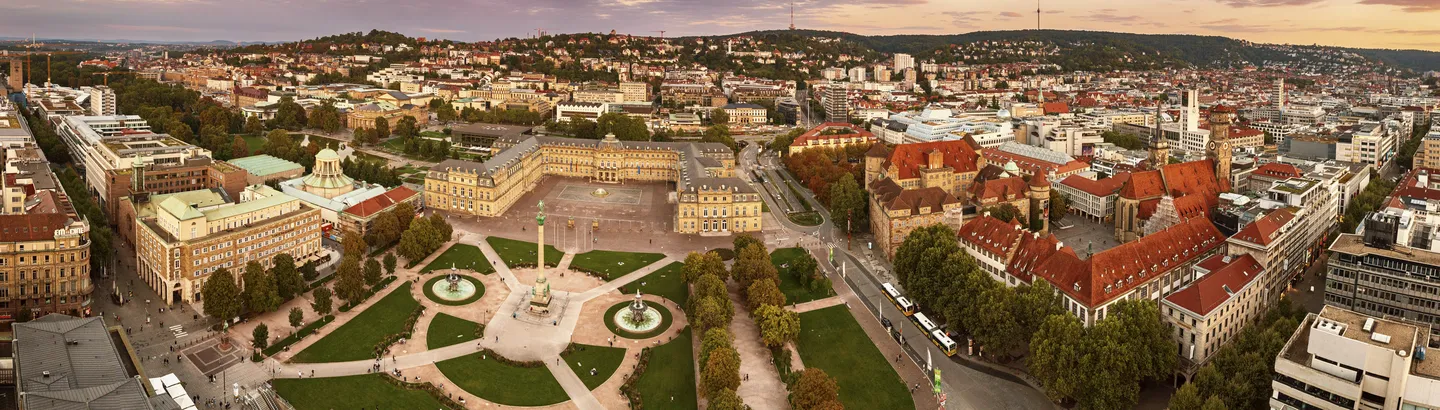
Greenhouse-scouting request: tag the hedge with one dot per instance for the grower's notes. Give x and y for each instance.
(304, 331)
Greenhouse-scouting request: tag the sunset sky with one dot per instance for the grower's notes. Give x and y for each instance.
(1411, 24)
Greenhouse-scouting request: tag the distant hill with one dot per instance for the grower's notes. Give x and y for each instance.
(1192, 49)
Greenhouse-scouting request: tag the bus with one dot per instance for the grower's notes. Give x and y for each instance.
(943, 342)
(890, 291)
(905, 306)
(925, 324)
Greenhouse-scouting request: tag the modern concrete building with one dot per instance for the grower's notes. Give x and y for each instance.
(837, 102)
(63, 362)
(1343, 359)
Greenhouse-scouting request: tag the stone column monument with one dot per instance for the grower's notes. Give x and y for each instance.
(540, 294)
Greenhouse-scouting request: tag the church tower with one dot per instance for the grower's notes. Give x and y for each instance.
(1159, 147)
(1039, 196)
(1219, 148)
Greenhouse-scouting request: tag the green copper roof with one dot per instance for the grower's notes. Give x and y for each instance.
(326, 154)
(261, 165)
(180, 209)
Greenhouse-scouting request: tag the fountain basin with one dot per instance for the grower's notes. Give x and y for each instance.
(657, 315)
(467, 290)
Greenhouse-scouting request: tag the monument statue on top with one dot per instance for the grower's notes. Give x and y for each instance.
(540, 294)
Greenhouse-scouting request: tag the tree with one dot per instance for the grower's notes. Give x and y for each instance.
(999, 332)
(382, 128)
(289, 114)
(721, 371)
(744, 240)
(404, 213)
(1005, 212)
(813, 389)
(1214, 403)
(386, 230)
(710, 313)
(296, 317)
(350, 285)
(407, 127)
(698, 264)
(752, 264)
(1054, 353)
(847, 203)
(625, 127)
(221, 295)
(1145, 335)
(714, 339)
(390, 263)
(1059, 205)
(907, 256)
(279, 144)
(1035, 302)
(261, 336)
(764, 292)
(352, 244)
(308, 272)
(805, 268)
(726, 400)
(777, 324)
(446, 113)
(1186, 398)
(719, 116)
(288, 282)
(253, 125)
(719, 134)
(323, 301)
(239, 148)
(709, 286)
(372, 272)
(261, 292)
(360, 136)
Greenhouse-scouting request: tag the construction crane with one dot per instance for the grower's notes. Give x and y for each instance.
(539, 32)
(106, 74)
(662, 34)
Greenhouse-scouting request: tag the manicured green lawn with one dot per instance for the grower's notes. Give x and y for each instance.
(501, 383)
(351, 392)
(612, 264)
(520, 253)
(461, 256)
(604, 359)
(669, 379)
(430, 290)
(831, 340)
(356, 339)
(434, 134)
(254, 143)
(665, 282)
(807, 218)
(789, 283)
(446, 330)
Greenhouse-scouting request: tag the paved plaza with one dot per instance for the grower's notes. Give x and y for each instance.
(1084, 235)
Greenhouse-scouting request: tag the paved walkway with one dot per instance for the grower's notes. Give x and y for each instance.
(816, 304)
(760, 385)
(565, 261)
(573, 386)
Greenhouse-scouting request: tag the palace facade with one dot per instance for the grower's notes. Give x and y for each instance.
(710, 199)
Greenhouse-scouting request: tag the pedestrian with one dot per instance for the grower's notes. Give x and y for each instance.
(312, 372)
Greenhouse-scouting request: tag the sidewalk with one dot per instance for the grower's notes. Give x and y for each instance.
(760, 385)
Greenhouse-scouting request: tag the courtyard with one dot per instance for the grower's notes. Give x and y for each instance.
(1085, 236)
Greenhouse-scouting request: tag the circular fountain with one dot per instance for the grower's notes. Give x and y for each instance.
(639, 317)
(453, 288)
(599, 193)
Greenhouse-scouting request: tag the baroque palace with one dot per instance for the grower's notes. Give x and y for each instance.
(709, 198)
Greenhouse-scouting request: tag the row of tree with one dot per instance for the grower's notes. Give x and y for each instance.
(351, 278)
(423, 237)
(1097, 367)
(625, 127)
(501, 116)
(258, 290)
(712, 312)
(370, 171)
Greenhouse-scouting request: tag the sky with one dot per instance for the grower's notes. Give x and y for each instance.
(1407, 24)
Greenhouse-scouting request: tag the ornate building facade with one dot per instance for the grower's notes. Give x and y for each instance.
(1194, 187)
(710, 199)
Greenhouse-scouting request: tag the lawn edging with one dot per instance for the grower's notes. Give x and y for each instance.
(430, 291)
(666, 317)
(408, 331)
(284, 344)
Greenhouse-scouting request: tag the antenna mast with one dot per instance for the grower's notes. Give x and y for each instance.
(792, 15)
(1037, 15)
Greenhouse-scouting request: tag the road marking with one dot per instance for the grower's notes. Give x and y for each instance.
(179, 331)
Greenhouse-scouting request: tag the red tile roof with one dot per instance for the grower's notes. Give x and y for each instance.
(909, 159)
(991, 234)
(1003, 189)
(31, 227)
(1191, 206)
(814, 133)
(1056, 108)
(1115, 271)
(1263, 230)
(893, 197)
(381, 202)
(1032, 252)
(1033, 165)
(1143, 184)
(1097, 187)
(1212, 290)
(1279, 170)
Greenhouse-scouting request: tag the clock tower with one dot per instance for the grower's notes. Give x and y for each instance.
(1219, 148)
(1159, 147)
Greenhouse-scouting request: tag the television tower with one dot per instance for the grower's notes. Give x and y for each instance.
(792, 15)
(1037, 15)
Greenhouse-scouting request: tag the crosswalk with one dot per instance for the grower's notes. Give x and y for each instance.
(179, 331)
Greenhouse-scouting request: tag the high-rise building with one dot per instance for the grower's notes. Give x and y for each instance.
(1190, 119)
(882, 73)
(1393, 268)
(102, 100)
(837, 102)
(857, 73)
(1277, 98)
(903, 61)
